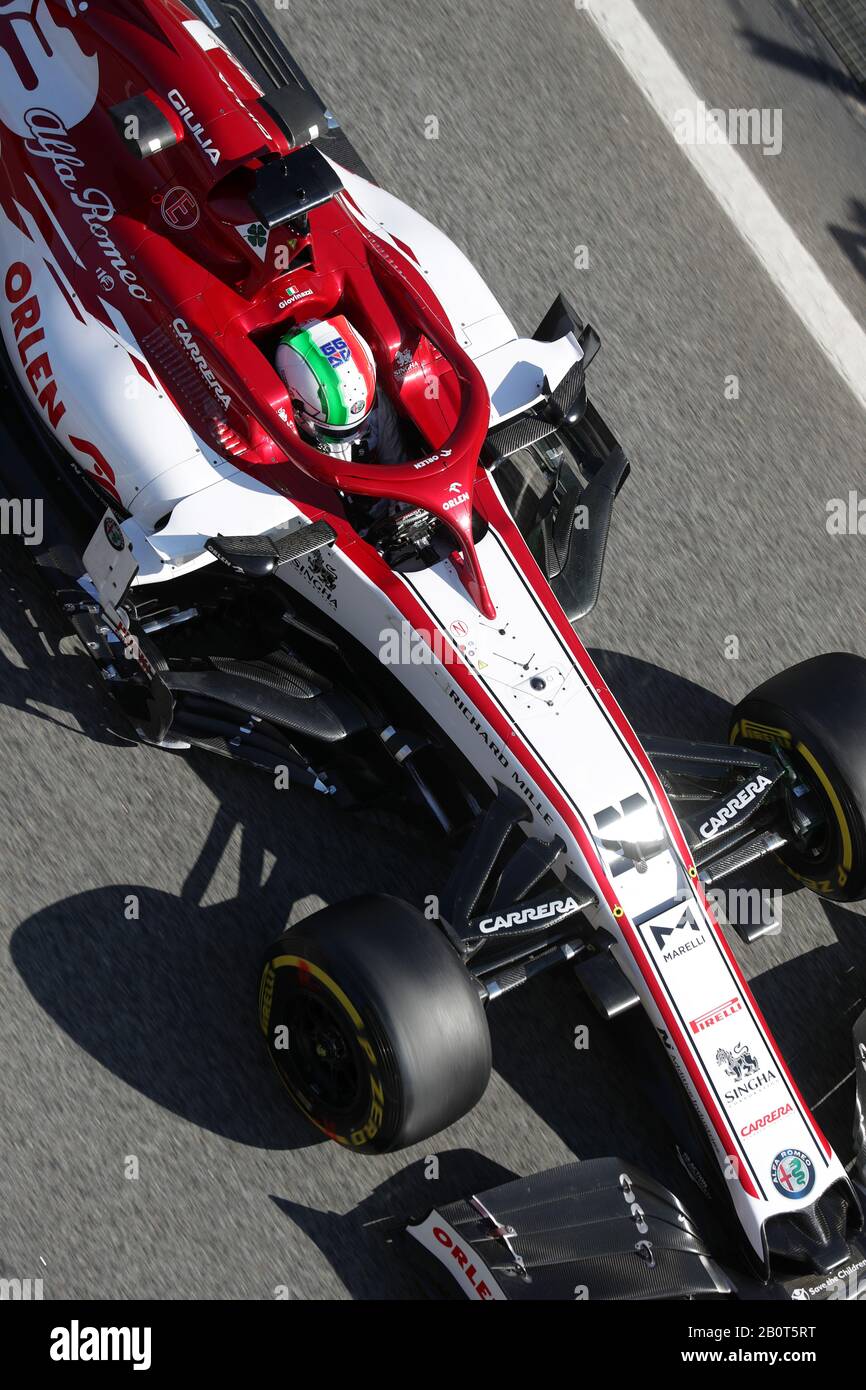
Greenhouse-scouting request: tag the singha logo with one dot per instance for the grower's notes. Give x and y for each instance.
(403, 361)
(325, 573)
(319, 575)
(42, 68)
(739, 1063)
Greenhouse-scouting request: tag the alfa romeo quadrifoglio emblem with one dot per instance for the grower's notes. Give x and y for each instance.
(793, 1174)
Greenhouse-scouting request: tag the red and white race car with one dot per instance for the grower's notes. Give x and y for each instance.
(255, 572)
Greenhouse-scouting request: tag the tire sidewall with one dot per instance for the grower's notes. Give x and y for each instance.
(376, 1120)
(419, 1033)
(816, 717)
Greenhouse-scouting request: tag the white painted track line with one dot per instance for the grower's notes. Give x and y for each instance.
(738, 192)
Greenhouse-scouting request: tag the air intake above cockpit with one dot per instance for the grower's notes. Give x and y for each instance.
(285, 188)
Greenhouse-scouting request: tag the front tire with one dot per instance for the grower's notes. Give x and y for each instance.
(374, 1024)
(816, 713)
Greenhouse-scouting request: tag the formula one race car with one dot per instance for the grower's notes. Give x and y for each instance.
(312, 503)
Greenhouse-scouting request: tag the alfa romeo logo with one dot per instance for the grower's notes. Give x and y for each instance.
(793, 1174)
(113, 534)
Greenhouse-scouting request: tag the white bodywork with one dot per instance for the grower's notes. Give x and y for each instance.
(567, 751)
(568, 731)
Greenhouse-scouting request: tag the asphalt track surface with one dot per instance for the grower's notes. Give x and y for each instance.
(136, 1037)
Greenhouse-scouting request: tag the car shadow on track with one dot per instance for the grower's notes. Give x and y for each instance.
(161, 1002)
(852, 239)
(659, 701)
(366, 1247)
(161, 988)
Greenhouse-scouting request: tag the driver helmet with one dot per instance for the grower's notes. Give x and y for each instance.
(330, 376)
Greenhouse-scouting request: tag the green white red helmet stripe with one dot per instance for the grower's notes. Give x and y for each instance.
(330, 369)
(334, 407)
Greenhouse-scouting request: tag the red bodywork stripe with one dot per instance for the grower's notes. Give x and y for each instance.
(102, 472)
(143, 370)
